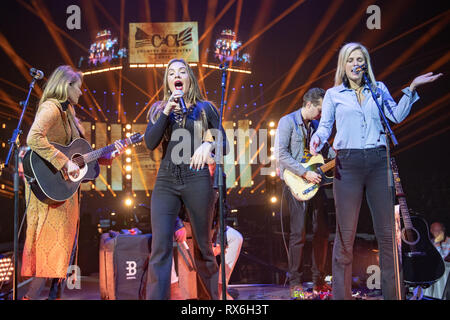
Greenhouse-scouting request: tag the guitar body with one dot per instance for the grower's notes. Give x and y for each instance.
(422, 263)
(301, 188)
(47, 183)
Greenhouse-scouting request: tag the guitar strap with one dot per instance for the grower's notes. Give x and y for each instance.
(301, 133)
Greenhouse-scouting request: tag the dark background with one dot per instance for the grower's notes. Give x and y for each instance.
(413, 39)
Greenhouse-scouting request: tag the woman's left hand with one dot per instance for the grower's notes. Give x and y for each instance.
(201, 156)
(425, 78)
(120, 148)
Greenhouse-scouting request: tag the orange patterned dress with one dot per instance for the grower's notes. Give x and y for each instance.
(51, 230)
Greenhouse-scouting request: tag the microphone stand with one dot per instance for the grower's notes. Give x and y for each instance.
(390, 137)
(219, 183)
(14, 143)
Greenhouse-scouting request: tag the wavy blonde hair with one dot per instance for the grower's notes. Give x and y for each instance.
(58, 83)
(344, 53)
(193, 95)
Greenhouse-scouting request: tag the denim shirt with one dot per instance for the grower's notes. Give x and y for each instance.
(360, 127)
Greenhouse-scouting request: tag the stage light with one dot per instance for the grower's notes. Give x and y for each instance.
(128, 126)
(93, 127)
(272, 132)
(113, 213)
(128, 176)
(128, 160)
(128, 134)
(6, 269)
(128, 151)
(127, 168)
(128, 202)
(273, 199)
(273, 174)
(271, 124)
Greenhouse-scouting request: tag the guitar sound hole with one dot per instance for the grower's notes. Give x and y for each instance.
(78, 159)
(410, 236)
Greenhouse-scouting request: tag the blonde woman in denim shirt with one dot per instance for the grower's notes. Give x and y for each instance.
(361, 161)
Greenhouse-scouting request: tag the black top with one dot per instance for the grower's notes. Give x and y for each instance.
(155, 131)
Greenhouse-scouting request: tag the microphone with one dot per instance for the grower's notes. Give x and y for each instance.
(359, 69)
(36, 74)
(183, 105)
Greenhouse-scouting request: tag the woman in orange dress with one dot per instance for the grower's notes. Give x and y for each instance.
(51, 235)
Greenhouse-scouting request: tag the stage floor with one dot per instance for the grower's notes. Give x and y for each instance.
(90, 290)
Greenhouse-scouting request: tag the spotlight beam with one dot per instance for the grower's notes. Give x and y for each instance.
(311, 43)
(349, 26)
(416, 45)
(261, 20)
(409, 146)
(275, 21)
(44, 14)
(185, 5)
(20, 63)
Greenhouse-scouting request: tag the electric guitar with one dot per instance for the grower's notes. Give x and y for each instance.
(301, 188)
(422, 263)
(53, 186)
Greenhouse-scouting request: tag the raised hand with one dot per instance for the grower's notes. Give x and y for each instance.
(425, 78)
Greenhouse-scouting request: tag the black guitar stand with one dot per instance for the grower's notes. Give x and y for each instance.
(14, 143)
(390, 137)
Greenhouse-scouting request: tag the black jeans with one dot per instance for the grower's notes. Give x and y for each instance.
(298, 211)
(177, 184)
(356, 169)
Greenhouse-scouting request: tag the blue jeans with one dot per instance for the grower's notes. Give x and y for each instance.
(355, 170)
(177, 184)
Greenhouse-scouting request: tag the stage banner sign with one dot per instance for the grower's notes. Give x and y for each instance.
(156, 43)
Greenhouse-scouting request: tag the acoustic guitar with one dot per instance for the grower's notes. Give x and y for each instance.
(422, 263)
(53, 186)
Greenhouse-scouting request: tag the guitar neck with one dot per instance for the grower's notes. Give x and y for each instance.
(96, 154)
(401, 196)
(327, 166)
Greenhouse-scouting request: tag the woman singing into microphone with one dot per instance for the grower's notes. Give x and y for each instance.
(361, 161)
(183, 178)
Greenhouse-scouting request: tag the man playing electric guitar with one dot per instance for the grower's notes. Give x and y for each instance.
(292, 138)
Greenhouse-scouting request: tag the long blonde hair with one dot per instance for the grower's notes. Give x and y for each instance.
(58, 82)
(193, 95)
(344, 53)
